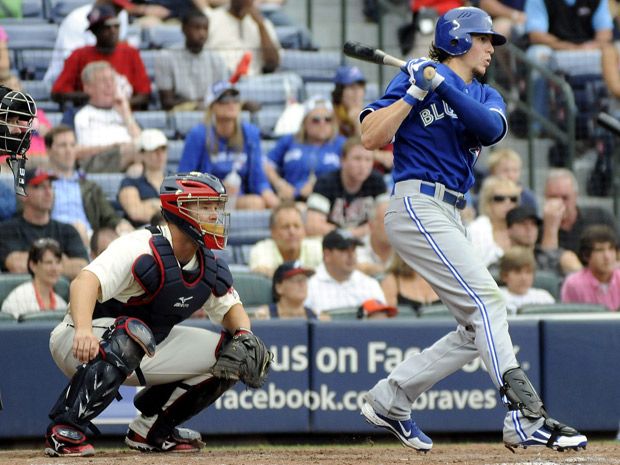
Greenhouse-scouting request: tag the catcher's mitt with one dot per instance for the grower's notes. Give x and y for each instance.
(244, 357)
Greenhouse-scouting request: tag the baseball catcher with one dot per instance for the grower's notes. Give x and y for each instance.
(127, 303)
(17, 112)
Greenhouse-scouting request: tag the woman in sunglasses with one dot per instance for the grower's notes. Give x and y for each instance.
(297, 160)
(489, 231)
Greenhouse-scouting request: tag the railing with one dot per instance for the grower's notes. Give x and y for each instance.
(567, 136)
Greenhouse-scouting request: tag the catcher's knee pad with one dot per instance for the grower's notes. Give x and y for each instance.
(521, 394)
(175, 403)
(96, 383)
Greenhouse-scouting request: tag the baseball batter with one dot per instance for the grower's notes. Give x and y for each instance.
(126, 304)
(438, 128)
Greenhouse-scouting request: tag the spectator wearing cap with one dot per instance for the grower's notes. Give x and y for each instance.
(297, 160)
(348, 98)
(337, 283)
(524, 230)
(105, 128)
(77, 201)
(131, 79)
(599, 281)
(139, 197)
(241, 28)
(35, 222)
(289, 291)
(345, 198)
(230, 149)
(184, 73)
(288, 242)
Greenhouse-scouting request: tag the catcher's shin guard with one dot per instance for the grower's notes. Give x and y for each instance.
(184, 402)
(96, 383)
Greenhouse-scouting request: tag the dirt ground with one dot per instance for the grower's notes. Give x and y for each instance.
(368, 452)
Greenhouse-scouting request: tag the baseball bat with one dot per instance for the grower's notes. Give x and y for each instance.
(374, 55)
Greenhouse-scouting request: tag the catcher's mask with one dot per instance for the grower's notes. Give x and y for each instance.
(17, 111)
(196, 203)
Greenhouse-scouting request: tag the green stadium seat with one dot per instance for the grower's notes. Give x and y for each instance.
(53, 315)
(344, 313)
(435, 311)
(405, 312)
(546, 309)
(548, 281)
(7, 318)
(254, 289)
(9, 281)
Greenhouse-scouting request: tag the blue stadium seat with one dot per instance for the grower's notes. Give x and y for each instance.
(39, 90)
(248, 226)
(155, 119)
(148, 58)
(61, 8)
(33, 63)
(266, 119)
(28, 35)
(54, 117)
(33, 9)
(162, 36)
(324, 89)
(109, 182)
(183, 121)
(311, 66)
(271, 89)
(175, 150)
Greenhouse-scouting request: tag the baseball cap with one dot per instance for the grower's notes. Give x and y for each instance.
(35, 176)
(347, 75)
(340, 239)
(125, 4)
(151, 139)
(317, 101)
(102, 15)
(290, 269)
(218, 90)
(372, 306)
(521, 213)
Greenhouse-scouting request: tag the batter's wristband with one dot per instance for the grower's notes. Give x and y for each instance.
(243, 331)
(410, 99)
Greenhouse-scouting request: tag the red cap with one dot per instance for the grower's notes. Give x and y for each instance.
(373, 305)
(34, 177)
(126, 4)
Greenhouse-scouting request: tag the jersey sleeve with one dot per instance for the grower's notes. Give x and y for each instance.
(218, 307)
(396, 89)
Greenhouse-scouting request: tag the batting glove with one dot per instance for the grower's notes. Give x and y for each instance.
(419, 84)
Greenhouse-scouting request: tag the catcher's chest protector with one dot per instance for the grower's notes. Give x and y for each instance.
(170, 295)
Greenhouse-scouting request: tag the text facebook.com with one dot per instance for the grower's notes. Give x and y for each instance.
(380, 358)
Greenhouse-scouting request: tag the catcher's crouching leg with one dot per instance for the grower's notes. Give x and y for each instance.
(523, 398)
(166, 406)
(94, 386)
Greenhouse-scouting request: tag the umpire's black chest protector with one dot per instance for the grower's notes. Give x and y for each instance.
(170, 294)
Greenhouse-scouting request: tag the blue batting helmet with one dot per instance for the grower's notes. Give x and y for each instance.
(454, 29)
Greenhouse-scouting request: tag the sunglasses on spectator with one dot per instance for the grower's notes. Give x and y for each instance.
(320, 119)
(503, 198)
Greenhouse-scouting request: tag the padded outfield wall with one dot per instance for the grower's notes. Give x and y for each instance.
(321, 371)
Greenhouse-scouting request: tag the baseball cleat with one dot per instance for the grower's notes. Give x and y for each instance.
(66, 441)
(181, 441)
(553, 435)
(406, 431)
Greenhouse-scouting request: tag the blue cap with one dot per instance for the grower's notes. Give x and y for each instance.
(347, 75)
(217, 91)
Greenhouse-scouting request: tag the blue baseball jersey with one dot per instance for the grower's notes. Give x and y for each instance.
(432, 144)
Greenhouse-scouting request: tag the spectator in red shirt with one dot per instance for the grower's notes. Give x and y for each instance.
(132, 78)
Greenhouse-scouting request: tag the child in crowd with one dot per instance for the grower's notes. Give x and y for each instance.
(517, 268)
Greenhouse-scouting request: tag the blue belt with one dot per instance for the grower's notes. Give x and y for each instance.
(457, 201)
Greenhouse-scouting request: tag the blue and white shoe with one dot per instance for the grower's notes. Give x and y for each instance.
(406, 431)
(554, 435)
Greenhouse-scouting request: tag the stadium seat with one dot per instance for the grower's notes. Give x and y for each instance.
(344, 313)
(7, 318)
(266, 119)
(253, 289)
(548, 281)
(162, 36)
(323, 89)
(175, 150)
(405, 312)
(155, 119)
(248, 226)
(31, 35)
(39, 90)
(240, 254)
(271, 89)
(290, 37)
(184, 121)
(9, 281)
(62, 288)
(61, 8)
(435, 311)
(311, 66)
(109, 182)
(48, 315)
(33, 63)
(54, 117)
(33, 9)
(148, 58)
(546, 309)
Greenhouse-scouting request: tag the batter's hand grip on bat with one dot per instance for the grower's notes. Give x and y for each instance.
(429, 73)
